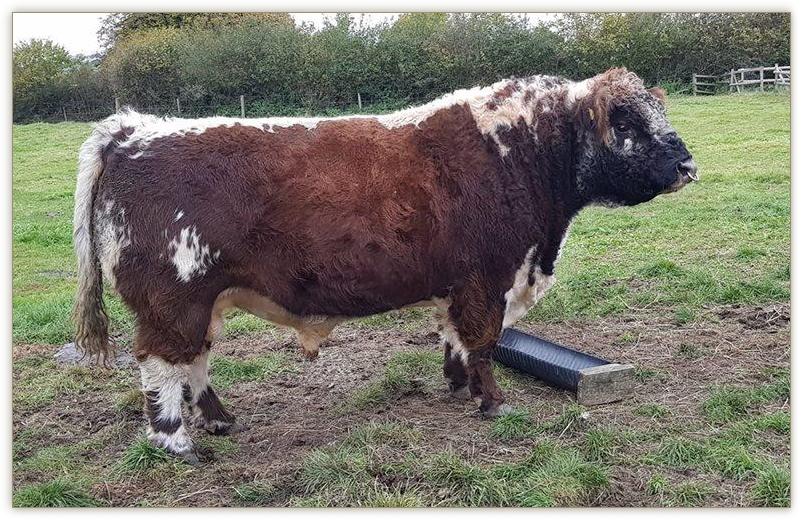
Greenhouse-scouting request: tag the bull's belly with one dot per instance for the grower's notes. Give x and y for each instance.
(312, 330)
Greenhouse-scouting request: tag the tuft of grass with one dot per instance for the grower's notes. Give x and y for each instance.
(512, 426)
(689, 494)
(256, 493)
(657, 485)
(141, 456)
(772, 488)
(56, 493)
(601, 444)
(394, 498)
(384, 434)
(217, 444)
(644, 374)
(689, 351)
(572, 418)
(341, 471)
(415, 371)
(131, 401)
(661, 269)
(228, 371)
(51, 459)
(680, 452)
(467, 484)
(652, 410)
(727, 403)
(684, 315)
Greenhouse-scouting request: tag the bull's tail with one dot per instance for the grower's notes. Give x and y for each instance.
(89, 312)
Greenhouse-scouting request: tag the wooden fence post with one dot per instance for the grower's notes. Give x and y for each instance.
(776, 76)
(359, 100)
(694, 84)
(64, 111)
(178, 105)
(242, 106)
(116, 104)
(761, 79)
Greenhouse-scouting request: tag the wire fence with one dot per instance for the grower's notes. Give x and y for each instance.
(241, 106)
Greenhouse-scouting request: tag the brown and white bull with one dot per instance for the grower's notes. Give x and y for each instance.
(462, 204)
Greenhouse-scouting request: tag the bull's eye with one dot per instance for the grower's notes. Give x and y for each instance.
(622, 127)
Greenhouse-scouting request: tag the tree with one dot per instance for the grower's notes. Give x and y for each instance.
(40, 72)
(118, 26)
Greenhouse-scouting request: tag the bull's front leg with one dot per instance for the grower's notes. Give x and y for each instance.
(471, 329)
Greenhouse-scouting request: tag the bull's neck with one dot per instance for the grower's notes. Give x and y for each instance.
(541, 158)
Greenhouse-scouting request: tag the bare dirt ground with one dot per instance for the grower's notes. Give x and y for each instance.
(293, 413)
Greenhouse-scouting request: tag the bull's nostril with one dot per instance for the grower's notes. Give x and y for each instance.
(689, 168)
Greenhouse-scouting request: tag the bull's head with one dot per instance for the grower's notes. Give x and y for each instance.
(629, 153)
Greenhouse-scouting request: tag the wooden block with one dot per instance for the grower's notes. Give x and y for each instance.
(605, 383)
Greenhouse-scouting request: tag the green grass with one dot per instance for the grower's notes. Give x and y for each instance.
(56, 493)
(515, 425)
(414, 371)
(725, 239)
(651, 410)
(227, 371)
(772, 489)
(730, 402)
(141, 456)
(361, 470)
(687, 494)
(256, 493)
(39, 381)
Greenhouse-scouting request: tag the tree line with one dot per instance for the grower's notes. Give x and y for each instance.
(201, 63)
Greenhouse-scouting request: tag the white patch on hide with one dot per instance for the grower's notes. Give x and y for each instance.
(522, 296)
(190, 257)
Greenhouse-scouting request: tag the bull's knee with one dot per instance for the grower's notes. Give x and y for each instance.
(162, 384)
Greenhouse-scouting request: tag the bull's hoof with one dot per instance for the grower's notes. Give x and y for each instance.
(496, 410)
(188, 457)
(218, 427)
(226, 429)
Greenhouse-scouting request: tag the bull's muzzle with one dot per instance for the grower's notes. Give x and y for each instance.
(688, 168)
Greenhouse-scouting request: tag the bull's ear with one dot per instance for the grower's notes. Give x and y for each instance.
(593, 112)
(659, 93)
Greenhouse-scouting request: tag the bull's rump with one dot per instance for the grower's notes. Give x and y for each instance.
(348, 219)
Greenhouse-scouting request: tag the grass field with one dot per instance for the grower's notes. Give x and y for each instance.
(693, 288)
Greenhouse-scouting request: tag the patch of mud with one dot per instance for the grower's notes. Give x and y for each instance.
(752, 317)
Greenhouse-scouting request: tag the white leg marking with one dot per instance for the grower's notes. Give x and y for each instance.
(166, 381)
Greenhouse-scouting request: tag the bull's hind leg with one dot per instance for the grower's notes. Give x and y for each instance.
(162, 384)
(206, 410)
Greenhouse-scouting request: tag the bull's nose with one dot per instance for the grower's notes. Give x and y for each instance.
(688, 168)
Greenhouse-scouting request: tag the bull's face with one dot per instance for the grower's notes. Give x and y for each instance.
(629, 151)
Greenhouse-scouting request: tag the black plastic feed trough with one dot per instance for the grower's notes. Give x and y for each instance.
(594, 380)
